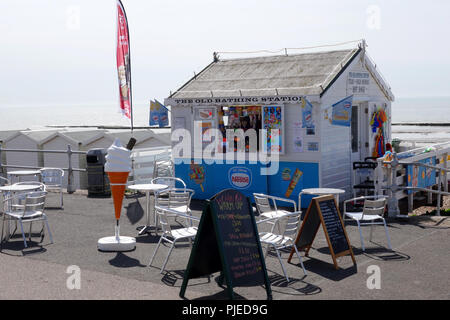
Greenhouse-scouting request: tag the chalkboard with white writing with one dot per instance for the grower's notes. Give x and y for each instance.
(227, 240)
(334, 227)
(324, 211)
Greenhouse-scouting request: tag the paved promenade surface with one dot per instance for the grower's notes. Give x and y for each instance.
(417, 268)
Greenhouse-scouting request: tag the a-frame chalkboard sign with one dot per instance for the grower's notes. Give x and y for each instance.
(324, 211)
(227, 241)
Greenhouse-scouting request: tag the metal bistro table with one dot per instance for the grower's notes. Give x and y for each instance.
(21, 173)
(150, 189)
(13, 189)
(319, 192)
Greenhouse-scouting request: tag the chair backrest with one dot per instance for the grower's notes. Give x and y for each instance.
(174, 197)
(52, 176)
(290, 225)
(163, 168)
(262, 202)
(170, 181)
(35, 201)
(4, 181)
(374, 207)
(164, 222)
(29, 202)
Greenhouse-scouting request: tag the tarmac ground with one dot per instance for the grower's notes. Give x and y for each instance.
(418, 267)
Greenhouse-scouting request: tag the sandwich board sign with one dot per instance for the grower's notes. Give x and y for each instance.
(227, 241)
(323, 211)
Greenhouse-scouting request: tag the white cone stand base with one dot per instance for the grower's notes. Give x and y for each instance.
(114, 244)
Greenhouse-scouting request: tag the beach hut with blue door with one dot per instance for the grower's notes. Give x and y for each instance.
(321, 111)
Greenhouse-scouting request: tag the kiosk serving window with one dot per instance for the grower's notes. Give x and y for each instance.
(253, 117)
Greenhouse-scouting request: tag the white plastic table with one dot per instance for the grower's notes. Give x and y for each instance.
(21, 173)
(320, 192)
(149, 189)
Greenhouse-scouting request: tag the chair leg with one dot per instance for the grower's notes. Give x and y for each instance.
(387, 235)
(371, 232)
(48, 229)
(31, 228)
(167, 258)
(299, 258)
(360, 236)
(154, 253)
(62, 202)
(23, 234)
(282, 265)
(1, 239)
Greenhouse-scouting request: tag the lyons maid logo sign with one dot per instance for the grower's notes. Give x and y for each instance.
(240, 177)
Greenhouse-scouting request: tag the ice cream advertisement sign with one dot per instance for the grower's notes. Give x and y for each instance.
(123, 61)
(342, 112)
(240, 177)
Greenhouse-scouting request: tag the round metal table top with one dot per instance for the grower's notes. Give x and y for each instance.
(321, 191)
(24, 172)
(147, 187)
(20, 187)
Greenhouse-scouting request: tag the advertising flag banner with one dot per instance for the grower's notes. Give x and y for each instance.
(342, 112)
(163, 114)
(307, 116)
(123, 62)
(158, 114)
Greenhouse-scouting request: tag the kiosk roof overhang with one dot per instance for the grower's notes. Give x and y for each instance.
(307, 74)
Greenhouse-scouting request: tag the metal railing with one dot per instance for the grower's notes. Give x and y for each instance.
(393, 187)
(70, 170)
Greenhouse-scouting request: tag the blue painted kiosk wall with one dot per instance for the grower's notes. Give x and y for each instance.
(208, 179)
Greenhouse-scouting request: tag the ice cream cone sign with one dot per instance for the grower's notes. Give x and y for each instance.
(118, 167)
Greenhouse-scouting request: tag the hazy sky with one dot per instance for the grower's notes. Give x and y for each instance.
(63, 51)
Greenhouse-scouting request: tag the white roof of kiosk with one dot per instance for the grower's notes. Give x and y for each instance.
(305, 74)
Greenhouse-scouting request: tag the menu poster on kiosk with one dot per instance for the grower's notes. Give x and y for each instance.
(273, 119)
(205, 119)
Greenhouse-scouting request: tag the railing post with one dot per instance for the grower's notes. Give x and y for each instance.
(445, 172)
(393, 209)
(70, 188)
(1, 159)
(438, 208)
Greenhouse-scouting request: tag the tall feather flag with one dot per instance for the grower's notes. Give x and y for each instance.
(123, 63)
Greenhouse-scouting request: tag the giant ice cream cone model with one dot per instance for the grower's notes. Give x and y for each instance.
(118, 181)
(118, 166)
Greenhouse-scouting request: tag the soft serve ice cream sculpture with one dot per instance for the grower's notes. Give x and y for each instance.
(118, 167)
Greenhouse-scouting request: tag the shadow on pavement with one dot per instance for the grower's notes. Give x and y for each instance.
(123, 261)
(384, 254)
(327, 270)
(135, 212)
(294, 287)
(174, 278)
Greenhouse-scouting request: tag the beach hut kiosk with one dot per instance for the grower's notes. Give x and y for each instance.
(31, 140)
(77, 140)
(3, 136)
(328, 109)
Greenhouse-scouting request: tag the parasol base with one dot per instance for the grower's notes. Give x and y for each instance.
(114, 244)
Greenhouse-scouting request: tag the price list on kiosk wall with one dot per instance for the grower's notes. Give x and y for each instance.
(334, 227)
(239, 243)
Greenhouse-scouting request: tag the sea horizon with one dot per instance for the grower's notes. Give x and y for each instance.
(405, 111)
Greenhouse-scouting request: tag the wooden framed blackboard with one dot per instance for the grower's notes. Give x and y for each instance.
(324, 211)
(227, 241)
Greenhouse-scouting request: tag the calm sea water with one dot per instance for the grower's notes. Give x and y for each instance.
(404, 110)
